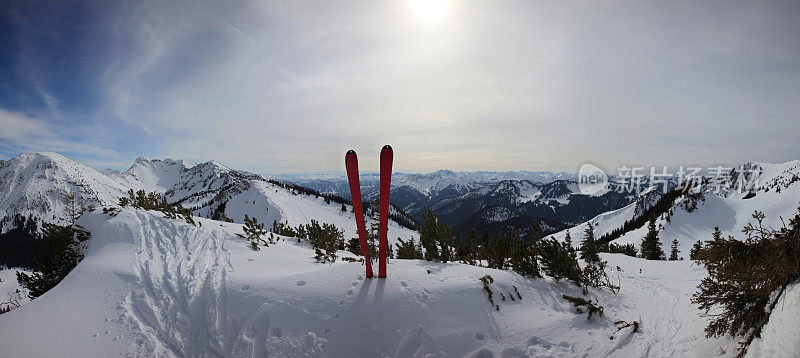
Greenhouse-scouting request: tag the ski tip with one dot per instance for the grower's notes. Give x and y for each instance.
(385, 147)
(349, 152)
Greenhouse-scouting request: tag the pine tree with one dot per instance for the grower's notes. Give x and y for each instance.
(496, 249)
(716, 235)
(589, 247)
(524, 253)
(559, 261)
(325, 239)
(64, 254)
(373, 232)
(475, 250)
(253, 231)
(436, 238)
(673, 254)
(353, 246)
(651, 245)
(627, 249)
(467, 255)
(408, 250)
(694, 253)
(746, 279)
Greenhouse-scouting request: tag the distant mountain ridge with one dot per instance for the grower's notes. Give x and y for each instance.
(455, 197)
(46, 185)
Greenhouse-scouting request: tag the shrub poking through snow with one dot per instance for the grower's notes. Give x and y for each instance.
(625, 324)
(747, 278)
(436, 238)
(408, 249)
(486, 281)
(517, 291)
(14, 301)
(581, 303)
(283, 229)
(325, 239)
(594, 275)
(111, 211)
(157, 202)
(253, 231)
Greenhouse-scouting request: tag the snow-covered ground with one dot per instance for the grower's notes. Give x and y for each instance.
(779, 335)
(151, 286)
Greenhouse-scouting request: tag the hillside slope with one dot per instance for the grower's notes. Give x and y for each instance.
(150, 286)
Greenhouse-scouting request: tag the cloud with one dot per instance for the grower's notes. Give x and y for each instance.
(18, 131)
(16, 127)
(290, 86)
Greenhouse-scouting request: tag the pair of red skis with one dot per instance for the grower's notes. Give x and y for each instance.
(351, 162)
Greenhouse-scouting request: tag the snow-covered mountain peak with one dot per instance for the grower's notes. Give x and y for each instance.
(157, 173)
(43, 184)
(47, 156)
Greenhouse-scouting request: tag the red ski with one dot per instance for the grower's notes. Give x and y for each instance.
(386, 181)
(351, 163)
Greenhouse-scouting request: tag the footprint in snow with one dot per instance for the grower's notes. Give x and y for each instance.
(301, 283)
(245, 287)
(403, 283)
(479, 336)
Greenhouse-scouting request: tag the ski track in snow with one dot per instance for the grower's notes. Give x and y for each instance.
(180, 294)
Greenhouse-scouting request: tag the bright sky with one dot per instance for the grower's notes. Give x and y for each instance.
(289, 86)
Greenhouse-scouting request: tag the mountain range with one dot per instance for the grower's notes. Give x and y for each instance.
(485, 200)
(47, 186)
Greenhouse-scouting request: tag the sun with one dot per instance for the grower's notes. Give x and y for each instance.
(430, 11)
